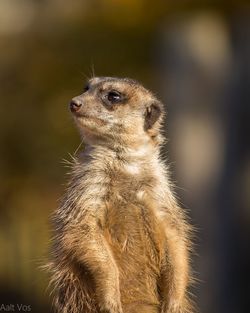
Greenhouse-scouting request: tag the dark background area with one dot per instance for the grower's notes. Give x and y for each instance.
(195, 55)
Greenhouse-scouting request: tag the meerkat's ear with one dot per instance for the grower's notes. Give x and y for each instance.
(153, 112)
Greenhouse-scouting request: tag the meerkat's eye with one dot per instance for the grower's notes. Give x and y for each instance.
(114, 96)
(86, 88)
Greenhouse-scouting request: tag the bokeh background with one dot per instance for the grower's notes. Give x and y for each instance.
(195, 55)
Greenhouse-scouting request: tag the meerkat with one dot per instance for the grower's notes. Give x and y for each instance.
(121, 242)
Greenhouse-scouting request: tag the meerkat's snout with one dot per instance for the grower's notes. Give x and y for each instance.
(75, 105)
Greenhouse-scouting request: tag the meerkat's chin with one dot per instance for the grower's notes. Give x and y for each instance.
(91, 129)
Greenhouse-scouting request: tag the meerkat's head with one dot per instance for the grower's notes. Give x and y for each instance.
(117, 111)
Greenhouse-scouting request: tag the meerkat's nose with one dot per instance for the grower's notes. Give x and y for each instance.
(75, 104)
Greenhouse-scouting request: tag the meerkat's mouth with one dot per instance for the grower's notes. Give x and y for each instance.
(87, 119)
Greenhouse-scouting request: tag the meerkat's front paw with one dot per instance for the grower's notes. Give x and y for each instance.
(176, 307)
(111, 306)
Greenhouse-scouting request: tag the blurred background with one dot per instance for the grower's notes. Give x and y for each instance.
(195, 55)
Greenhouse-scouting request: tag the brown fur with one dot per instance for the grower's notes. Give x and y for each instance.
(121, 241)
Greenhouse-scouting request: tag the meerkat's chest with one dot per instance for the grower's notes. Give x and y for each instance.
(133, 230)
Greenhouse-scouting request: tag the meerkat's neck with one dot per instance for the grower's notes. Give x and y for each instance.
(143, 162)
(144, 153)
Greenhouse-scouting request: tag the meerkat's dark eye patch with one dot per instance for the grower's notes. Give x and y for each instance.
(114, 96)
(111, 98)
(152, 114)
